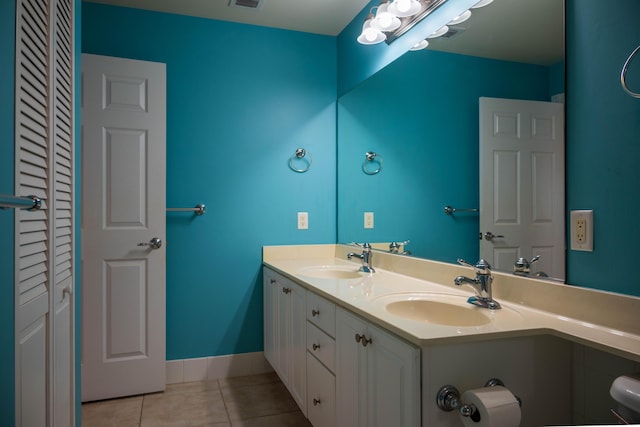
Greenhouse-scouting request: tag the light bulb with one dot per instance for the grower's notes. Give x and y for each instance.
(403, 5)
(370, 34)
(422, 44)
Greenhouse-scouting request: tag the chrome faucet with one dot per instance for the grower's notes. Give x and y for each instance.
(366, 257)
(481, 284)
(522, 267)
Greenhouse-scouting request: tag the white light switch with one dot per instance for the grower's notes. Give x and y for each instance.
(368, 220)
(303, 220)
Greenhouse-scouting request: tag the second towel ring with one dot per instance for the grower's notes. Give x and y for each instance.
(300, 153)
(623, 74)
(371, 157)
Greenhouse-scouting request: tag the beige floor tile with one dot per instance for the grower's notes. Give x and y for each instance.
(191, 387)
(251, 401)
(291, 419)
(177, 409)
(117, 413)
(249, 380)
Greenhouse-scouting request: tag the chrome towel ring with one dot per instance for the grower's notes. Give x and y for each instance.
(623, 74)
(371, 157)
(300, 153)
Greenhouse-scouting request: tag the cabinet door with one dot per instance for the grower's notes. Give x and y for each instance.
(351, 371)
(270, 286)
(297, 343)
(321, 394)
(393, 374)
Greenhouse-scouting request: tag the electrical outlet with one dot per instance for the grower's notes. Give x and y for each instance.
(368, 220)
(303, 220)
(582, 230)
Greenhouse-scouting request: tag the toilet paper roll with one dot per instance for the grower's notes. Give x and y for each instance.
(495, 407)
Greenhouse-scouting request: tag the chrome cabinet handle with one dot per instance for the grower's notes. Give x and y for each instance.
(315, 346)
(316, 402)
(362, 339)
(155, 243)
(490, 236)
(315, 313)
(273, 281)
(286, 290)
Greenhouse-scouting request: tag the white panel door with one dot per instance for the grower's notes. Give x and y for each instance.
(123, 207)
(522, 184)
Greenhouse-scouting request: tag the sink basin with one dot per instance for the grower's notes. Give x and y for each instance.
(439, 309)
(332, 272)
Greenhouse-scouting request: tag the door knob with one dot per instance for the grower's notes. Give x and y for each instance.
(490, 236)
(155, 243)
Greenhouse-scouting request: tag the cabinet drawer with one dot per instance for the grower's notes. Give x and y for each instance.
(321, 346)
(322, 313)
(321, 394)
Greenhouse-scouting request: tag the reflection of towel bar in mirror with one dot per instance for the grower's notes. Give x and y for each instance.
(31, 203)
(200, 209)
(449, 210)
(623, 74)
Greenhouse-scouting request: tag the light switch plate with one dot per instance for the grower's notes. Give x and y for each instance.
(368, 220)
(303, 220)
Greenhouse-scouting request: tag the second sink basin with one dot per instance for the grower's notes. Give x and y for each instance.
(440, 309)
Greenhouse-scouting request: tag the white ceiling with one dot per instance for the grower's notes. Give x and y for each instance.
(517, 30)
(327, 17)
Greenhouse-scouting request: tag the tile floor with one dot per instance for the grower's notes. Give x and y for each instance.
(251, 401)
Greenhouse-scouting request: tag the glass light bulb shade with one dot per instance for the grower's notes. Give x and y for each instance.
(420, 45)
(460, 18)
(384, 20)
(439, 32)
(370, 35)
(404, 8)
(481, 3)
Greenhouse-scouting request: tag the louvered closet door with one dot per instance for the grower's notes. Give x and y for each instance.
(44, 238)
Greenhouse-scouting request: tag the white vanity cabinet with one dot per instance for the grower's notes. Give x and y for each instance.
(377, 376)
(285, 333)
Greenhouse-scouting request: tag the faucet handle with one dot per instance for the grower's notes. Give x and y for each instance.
(364, 245)
(481, 267)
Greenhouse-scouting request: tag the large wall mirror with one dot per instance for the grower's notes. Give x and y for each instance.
(420, 116)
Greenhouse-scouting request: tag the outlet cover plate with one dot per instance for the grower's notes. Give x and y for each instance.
(582, 230)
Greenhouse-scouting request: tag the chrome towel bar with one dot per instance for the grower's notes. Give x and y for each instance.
(200, 209)
(31, 203)
(448, 210)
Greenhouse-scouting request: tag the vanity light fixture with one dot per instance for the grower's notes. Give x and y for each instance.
(460, 18)
(422, 44)
(439, 32)
(393, 18)
(481, 3)
(385, 20)
(370, 34)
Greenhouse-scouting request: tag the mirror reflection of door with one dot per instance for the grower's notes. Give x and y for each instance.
(522, 184)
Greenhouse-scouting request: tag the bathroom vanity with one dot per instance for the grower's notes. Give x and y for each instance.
(374, 349)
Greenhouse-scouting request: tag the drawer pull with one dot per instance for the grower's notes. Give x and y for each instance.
(315, 346)
(316, 402)
(315, 313)
(286, 290)
(273, 281)
(363, 340)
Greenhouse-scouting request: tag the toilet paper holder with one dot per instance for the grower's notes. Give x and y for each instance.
(448, 399)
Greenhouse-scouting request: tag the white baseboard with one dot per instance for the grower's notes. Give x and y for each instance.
(214, 367)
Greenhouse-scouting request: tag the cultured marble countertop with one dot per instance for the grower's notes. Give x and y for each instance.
(603, 320)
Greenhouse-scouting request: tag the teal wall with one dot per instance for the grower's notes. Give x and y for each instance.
(7, 348)
(421, 115)
(603, 140)
(240, 100)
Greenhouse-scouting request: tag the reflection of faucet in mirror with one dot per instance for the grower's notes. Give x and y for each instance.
(481, 284)
(366, 257)
(522, 267)
(394, 247)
